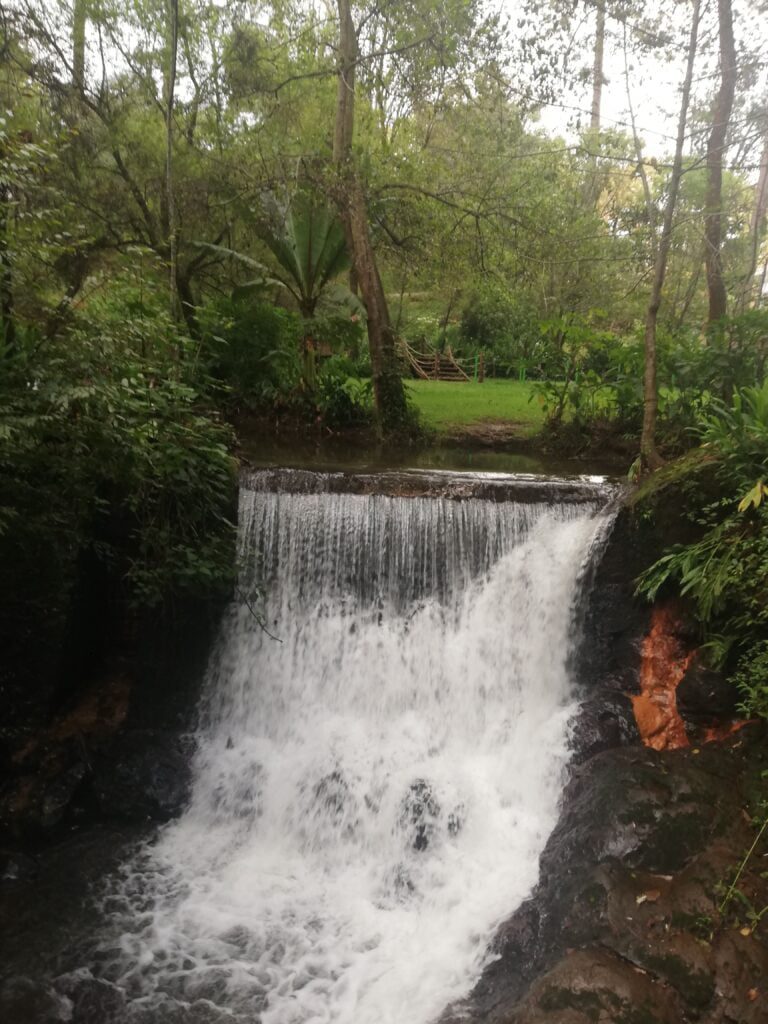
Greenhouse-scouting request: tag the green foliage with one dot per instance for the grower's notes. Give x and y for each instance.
(593, 375)
(723, 571)
(751, 678)
(342, 400)
(335, 328)
(738, 437)
(731, 355)
(252, 347)
(507, 332)
(107, 444)
(307, 240)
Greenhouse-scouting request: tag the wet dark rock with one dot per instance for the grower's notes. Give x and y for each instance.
(402, 882)
(704, 695)
(38, 799)
(164, 1010)
(455, 821)
(332, 793)
(420, 813)
(49, 917)
(28, 1001)
(93, 1000)
(603, 722)
(613, 621)
(143, 775)
(624, 925)
(58, 793)
(16, 866)
(334, 801)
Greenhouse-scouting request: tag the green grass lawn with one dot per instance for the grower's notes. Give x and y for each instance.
(445, 404)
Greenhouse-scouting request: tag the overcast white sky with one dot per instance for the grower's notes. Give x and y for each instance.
(655, 80)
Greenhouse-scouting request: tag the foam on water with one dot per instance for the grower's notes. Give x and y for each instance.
(373, 788)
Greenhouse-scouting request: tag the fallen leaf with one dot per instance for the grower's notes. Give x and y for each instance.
(652, 895)
(752, 995)
(745, 931)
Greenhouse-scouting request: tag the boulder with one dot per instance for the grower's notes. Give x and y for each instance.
(93, 1000)
(705, 695)
(28, 1001)
(143, 775)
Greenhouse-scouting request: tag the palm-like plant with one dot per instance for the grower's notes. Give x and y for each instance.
(308, 243)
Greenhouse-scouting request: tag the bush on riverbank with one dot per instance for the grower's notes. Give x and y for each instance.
(721, 570)
(116, 481)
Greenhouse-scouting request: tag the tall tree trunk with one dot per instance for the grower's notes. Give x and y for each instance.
(721, 116)
(597, 67)
(756, 225)
(389, 393)
(187, 302)
(79, 20)
(650, 208)
(170, 90)
(690, 292)
(649, 456)
(593, 185)
(7, 321)
(761, 286)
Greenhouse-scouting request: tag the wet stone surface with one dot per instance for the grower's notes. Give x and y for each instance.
(625, 924)
(518, 487)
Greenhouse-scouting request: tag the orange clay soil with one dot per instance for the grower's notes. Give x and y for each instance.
(665, 660)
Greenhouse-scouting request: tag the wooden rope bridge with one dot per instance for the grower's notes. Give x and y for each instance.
(436, 365)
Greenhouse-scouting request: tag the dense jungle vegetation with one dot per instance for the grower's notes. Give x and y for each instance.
(211, 212)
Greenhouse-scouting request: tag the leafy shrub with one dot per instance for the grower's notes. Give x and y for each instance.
(253, 348)
(732, 355)
(507, 331)
(343, 400)
(751, 678)
(723, 571)
(594, 376)
(738, 436)
(344, 333)
(108, 444)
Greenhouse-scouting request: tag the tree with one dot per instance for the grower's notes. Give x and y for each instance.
(170, 94)
(757, 221)
(79, 23)
(389, 393)
(309, 244)
(649, 456)
(597, 66)
(716, 144)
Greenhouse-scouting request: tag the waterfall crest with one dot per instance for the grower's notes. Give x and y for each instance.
(380, 757)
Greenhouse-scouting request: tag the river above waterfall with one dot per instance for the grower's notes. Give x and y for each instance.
(345, 453)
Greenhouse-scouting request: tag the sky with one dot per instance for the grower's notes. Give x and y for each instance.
(655, 79)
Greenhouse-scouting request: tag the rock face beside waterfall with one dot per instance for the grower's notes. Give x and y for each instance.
(624, 925)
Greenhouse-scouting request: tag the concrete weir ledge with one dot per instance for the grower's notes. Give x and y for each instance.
(517, 487)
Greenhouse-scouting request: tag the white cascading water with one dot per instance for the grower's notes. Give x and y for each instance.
(379, 763)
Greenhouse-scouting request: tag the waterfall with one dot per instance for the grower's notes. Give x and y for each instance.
(381, 752)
